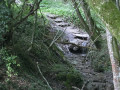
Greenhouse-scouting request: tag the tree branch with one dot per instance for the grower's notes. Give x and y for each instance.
(30, 13)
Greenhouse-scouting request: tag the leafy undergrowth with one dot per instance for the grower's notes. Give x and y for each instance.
(100, 60)
(70, 76)
(20, 62)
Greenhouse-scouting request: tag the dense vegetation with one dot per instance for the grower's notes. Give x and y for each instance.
(29, 62)
(19, 54)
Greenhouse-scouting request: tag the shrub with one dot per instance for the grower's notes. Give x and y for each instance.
(70, 76)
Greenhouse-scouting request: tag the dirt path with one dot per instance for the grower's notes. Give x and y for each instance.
(70, 33)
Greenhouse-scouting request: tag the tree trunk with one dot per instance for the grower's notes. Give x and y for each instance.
(35, 26)
(110, 16)
(89, 26)
(114, 41)
(80, 17)
(88, 17)
(114, 62)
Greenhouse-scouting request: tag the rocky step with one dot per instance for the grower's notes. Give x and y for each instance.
(98, 86)
(58, 20)
(86, 70)
(52, 16)
(63, 24)
(81, 36)
(72, 30)
(84, 67)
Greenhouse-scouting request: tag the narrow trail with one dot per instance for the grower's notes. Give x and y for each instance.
(70, 33)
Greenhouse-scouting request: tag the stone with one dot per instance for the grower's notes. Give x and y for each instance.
(63, 24)
(58, 20)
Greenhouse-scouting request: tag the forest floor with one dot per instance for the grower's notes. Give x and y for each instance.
(79, 59)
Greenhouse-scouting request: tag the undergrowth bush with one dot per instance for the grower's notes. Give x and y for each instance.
(48, 57)
(69, 75)
(100, 60)
(42, 53)
(10, 62)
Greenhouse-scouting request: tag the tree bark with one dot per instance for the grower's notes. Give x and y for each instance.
(89, 26)
(110, 15)
(35, 26)
(114, 62)
(88, 17)
(80, 17)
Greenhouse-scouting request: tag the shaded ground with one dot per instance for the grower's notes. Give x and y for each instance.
(70, 33)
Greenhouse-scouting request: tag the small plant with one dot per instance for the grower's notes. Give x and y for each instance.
(10, 62)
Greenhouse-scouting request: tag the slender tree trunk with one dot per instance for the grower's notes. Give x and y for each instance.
(35, 25)
(110, 16)
(88, 17)
(80, 17)
(89, 26)
(114, 61)
(115, 49)
(114, 41)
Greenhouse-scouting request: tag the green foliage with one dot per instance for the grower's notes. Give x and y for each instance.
(3, 86)
(98, 21)
(109, 14)
(69, 75)
(47, 56)
(4, 20)
(56, 7)
(100, 59)
(67, 11)
(10, 61)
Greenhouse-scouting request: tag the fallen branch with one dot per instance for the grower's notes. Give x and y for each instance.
(70, 43)
(44, 77)
(76, 88)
